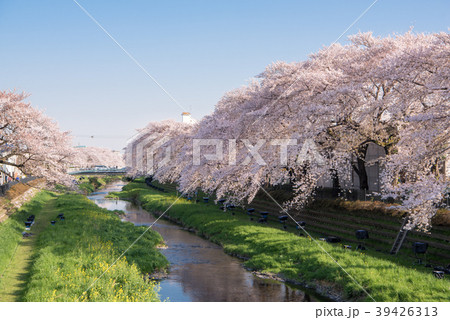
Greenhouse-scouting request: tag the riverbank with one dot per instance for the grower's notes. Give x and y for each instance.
(68, 261)
(78, 251)
(296, 259)
(89, 184)
(199, 269)
(341, 218)
(16, 251)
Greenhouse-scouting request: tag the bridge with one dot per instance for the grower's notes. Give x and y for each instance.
(99, 171)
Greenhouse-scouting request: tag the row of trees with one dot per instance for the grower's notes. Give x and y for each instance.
(87, 157)
(37, 145)
(308, 120)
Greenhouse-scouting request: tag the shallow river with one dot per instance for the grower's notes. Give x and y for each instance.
(199, 269)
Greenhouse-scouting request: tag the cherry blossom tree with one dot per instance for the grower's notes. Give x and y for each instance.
(267, 109)
(398, 90)
(422, 115)
(87, 157)
(302, 122)
(39, 147)
(152, 150)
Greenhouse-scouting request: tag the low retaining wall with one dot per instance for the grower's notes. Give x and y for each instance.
(8, 206)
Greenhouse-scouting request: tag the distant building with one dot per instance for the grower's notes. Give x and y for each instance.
(187, 118)
(12, 172)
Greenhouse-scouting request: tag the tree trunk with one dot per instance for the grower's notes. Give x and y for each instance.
(335, 181)
(360, 169)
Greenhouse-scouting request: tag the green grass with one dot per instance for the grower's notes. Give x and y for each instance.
(86, 187)
(89, 184)
(71, 255)
(272, 250)
(59, 263)
(11, 235)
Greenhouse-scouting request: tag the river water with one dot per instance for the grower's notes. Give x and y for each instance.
(199, 269)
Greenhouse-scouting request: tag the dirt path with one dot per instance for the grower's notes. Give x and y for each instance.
(16, 276)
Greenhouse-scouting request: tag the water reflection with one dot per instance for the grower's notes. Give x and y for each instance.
(200, 270)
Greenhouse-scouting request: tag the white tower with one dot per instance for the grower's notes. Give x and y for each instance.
(186, 118)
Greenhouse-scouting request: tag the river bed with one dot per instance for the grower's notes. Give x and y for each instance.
(199, 269)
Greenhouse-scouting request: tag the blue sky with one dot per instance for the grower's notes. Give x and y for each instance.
(197, 50)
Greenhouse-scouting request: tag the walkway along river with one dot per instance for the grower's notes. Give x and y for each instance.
(199, 269)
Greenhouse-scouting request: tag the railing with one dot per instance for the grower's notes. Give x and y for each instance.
(98, 171)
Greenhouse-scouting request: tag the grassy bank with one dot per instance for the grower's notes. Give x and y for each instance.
(72, 254)
(12, 228)
(89, 184)
(299, 259)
